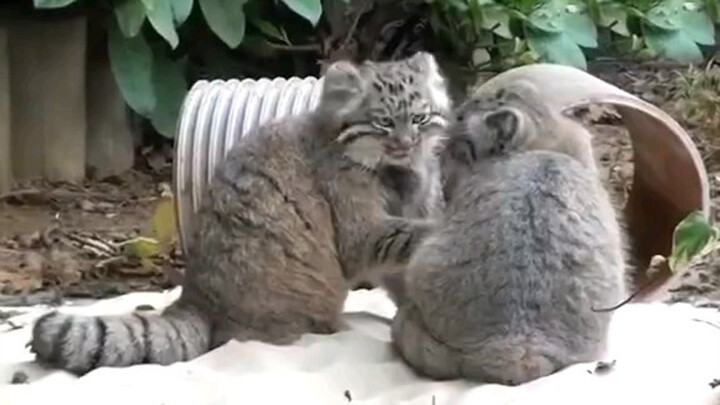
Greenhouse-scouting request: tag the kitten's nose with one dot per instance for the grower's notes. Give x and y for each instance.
(402, 142)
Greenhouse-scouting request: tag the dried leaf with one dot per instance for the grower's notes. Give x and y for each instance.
(164, 223)
(141, 248)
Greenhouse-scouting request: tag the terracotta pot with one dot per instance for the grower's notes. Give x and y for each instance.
(669, 179)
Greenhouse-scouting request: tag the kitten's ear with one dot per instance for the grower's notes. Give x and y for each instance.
(425, 63)
(343, 89)
(503, 125)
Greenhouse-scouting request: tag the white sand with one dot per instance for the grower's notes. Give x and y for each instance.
(665, 355)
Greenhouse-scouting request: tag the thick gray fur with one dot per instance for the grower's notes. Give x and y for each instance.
(504, 290)
(298, 212)
(530, 119)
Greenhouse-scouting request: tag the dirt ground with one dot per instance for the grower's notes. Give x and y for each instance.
(61, 240)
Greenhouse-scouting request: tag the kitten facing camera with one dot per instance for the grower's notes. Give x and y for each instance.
(299, 211)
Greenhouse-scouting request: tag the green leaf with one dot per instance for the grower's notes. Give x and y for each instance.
(556, 48)
(673, 45)
(269, 30)
(181, 10)
(547, 17)
(131, 61)
(697, 25)
(497, 19)
(170, 88)
(664, 15)
(579, 26)
(226, 19)
(160, 14)
(310, 10)
(693, 237)
(52, 3)
(614, 16)
(130, 16)
(140, 247)
(253, 16)
(164, 223)
(569, 17)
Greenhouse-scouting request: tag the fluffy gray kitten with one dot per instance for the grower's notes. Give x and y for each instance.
(504, 290)
(299, 211)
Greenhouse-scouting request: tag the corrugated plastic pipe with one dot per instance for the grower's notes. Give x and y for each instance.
(214, 116)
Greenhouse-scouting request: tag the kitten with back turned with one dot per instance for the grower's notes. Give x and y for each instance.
(504, 290)
(299, 211)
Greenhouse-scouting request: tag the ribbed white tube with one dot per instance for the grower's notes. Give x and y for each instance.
(214, 116)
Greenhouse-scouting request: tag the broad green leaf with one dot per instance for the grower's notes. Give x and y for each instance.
(130, 16)
(253, 16)
(310, 10)
(697, 25)
(497, 19)
(674, 45)
(170, 88)
(160, 14)
(664, 15)
(181, 10)
(164, 223)
(140, 247)
(548, 17)
(270, 30)
(52, 3)
(693, 237)
(226, 19)
(580, 27)
(131, 61)
(480, 56)
(556, 48)
(614, 16)
(527, 58)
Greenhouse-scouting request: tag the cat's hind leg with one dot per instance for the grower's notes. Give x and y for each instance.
(425, 354)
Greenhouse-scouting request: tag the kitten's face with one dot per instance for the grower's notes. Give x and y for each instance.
(397, 115)
(492, 124)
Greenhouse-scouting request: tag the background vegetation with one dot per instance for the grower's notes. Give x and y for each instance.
(158, 47)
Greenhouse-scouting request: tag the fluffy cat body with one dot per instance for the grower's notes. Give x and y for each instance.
(504, 290)
(299, 211)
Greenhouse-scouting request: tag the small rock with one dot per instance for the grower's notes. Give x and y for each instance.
(87, 205)
(19, 377)
(29, 241)
(604, 367)
(62, 268)
(104, 207)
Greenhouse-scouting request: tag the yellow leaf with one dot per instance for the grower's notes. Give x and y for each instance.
(141, 248)
(164, 222)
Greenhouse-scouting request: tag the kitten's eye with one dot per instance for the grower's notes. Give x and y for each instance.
(420, 119)
(384, 122)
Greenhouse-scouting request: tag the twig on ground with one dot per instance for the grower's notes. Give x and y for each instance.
(706, 322)
(92, 244)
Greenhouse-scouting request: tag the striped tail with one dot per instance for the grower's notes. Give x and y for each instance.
(82, 343)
